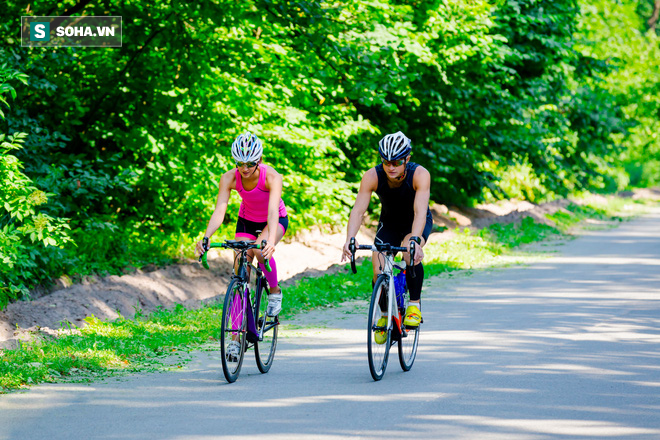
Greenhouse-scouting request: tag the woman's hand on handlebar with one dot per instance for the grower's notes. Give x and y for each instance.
(346, 252)
(268, 250)
(200, 247)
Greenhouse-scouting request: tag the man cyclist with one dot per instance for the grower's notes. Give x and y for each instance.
(403, 188)
(262, 209)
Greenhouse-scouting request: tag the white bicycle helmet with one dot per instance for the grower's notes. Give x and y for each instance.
(394, 146)
(246, 148)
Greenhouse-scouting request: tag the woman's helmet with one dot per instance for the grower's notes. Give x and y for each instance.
(394, 146)
(246, 148)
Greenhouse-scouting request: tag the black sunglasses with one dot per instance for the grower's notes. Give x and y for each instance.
(394, 163)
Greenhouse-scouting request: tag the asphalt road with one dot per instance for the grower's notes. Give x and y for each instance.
(564, 348)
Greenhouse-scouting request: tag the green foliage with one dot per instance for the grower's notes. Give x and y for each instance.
(28, 236)
(518, 181)
(517, 98)
(616, 38)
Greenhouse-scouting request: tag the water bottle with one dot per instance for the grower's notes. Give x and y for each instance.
(400, 288)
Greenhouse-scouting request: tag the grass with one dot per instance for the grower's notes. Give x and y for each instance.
(101, 348)
(147, 342)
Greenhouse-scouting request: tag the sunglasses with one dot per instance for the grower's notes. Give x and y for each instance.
(394, 163)
(245, 164)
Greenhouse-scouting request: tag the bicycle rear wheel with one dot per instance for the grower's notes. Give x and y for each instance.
(264, 349)
(234, 326)
(378, 336)
(408, 343)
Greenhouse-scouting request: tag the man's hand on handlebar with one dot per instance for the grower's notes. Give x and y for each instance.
(419, 252)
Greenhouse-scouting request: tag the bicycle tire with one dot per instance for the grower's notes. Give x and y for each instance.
(378, 353)
(264, 350)
(408, 344)
(233, 328)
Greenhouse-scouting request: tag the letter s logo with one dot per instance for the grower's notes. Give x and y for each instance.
(40, 31)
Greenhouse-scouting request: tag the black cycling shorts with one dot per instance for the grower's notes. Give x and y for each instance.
(247, 228)
(394, 234)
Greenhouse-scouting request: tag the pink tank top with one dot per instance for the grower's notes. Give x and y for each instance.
(254, 206)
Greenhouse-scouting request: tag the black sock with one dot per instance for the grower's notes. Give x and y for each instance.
(415, 284)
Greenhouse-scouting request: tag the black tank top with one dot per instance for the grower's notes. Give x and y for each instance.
(397, 204)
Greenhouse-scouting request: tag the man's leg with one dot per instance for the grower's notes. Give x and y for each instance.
(414, 283)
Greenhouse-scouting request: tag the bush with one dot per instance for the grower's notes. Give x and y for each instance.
(29, 238)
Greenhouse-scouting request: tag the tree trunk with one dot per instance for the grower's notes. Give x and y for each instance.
(653, 21)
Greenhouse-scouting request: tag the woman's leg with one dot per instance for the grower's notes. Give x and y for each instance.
(271, 277)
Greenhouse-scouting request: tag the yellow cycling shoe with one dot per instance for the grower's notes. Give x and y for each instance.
(413, 316)
(381, 336)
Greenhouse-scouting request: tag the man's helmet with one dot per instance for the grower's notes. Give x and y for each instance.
(246, 148)
(394, 146)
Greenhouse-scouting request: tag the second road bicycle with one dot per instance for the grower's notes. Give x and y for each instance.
(387, 310)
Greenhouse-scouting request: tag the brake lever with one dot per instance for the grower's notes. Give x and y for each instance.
(205, 246)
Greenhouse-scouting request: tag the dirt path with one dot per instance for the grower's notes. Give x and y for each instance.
(309, 254)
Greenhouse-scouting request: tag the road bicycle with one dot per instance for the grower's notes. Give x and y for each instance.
(242, 324)
(388, 301)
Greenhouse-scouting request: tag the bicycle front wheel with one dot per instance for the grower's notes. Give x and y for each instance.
(234, 326)
(264, 349)
(379, 336)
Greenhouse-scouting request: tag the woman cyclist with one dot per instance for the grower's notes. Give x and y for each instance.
(262, 209)
(404, 189)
